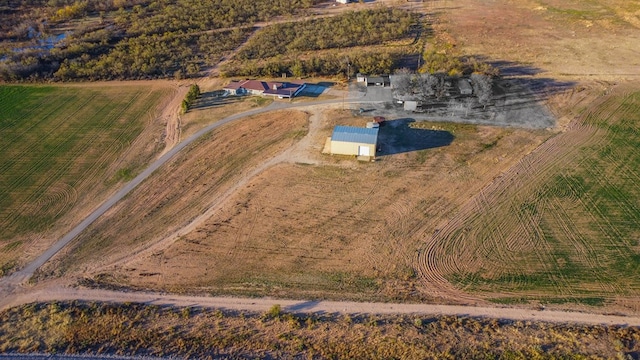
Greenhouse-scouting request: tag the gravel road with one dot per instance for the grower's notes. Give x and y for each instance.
(312, 306)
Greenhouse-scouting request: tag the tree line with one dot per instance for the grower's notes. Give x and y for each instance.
(341, 45)
(427, 86)
(192, 95)
(329, 63)
(170, 54)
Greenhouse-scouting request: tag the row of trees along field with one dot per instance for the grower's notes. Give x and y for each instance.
(328, 63)
(192, 95)
(427, 86)
(442, 66)
(369, 27)
(329, 46)
(141, 39)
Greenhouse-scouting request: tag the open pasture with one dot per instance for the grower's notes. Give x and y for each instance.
(338, 229)
(180, 191)
(62, 150)
(582, 40)
(562, 226)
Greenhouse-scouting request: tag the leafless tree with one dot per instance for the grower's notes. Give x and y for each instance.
(468, 105)
(426, 85)
(403, 82)
(440, 85)
(482, 87)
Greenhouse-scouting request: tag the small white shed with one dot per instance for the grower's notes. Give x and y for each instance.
(349, 140)
(465, 87)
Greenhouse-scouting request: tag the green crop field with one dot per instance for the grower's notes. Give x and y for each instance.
(58, 148)
(564, 227)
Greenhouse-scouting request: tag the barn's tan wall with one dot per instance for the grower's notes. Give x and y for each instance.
(349, 148)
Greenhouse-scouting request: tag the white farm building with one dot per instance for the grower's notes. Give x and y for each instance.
(349, 140)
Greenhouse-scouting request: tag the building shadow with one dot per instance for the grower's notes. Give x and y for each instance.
(302, 306)
(528, 77)
(214, 99)
(397, 136)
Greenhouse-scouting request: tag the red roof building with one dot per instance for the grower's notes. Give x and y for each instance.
(283, 90)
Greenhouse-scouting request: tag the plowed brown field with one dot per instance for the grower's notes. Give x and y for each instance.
(183, 189)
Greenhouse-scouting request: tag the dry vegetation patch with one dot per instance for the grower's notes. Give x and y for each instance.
(557, 38)
(148, 330)
(210, 106)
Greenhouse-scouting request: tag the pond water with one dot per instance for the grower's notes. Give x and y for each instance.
(45, 44)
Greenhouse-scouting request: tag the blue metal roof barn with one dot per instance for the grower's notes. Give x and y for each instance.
(355, 134)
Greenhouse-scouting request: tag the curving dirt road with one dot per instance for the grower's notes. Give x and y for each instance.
(9, 283)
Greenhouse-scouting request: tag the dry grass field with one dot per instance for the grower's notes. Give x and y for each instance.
(578, 40)
(337, 229)
(182, 190)
(209, 108)
(64, 149)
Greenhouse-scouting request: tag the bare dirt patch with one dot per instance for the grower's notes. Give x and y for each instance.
(580, 40)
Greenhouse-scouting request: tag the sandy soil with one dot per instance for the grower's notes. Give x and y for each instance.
(184, 188)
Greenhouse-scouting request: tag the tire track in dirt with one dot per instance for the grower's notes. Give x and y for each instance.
(454, 250)
(22, 210)
(58, 197)
(171, 116)
(290, 154)
(579, 244)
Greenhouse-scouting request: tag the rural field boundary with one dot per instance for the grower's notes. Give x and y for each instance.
(317, 306)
